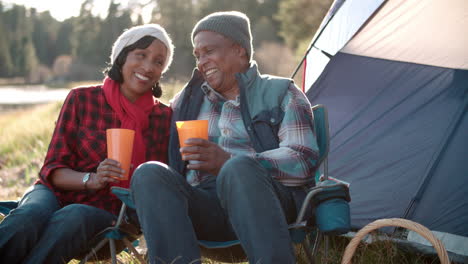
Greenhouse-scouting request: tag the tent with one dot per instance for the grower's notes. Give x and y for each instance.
(394, 78)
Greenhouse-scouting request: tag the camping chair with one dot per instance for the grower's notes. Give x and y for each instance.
(328, 197)
(121, 231)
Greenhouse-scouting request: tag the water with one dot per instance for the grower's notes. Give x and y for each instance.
(30, 94)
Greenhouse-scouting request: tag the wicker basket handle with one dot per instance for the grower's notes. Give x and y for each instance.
(420, 229)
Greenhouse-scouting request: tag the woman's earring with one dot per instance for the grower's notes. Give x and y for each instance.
(157, 91)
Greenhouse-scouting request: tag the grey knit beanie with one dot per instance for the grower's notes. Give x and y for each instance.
(134, 34)
(232, 24)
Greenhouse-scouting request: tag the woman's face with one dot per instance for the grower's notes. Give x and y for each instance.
(142, 69)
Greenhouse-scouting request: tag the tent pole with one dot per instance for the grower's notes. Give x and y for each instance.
(435, 160)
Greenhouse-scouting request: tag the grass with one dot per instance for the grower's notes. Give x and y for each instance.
(25, 134)
(383, 251)
(24, 138)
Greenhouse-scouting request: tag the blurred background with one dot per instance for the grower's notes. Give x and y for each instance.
(55, 42)
(48, 47)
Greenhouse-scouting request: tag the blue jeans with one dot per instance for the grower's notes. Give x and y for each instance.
(243, 202)
(40, 231)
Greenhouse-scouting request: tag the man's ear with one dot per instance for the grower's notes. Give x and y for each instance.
(241, 51)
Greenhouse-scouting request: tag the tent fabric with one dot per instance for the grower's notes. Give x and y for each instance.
(402, 27)
(395, 82)
(340, 24)
(387, 121)
(314, 64)
(345, 23)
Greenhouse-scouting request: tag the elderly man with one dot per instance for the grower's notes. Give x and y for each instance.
(247, 180)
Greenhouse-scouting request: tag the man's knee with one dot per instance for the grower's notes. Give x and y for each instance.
(150, 174)
(240, 174)
(240, 169)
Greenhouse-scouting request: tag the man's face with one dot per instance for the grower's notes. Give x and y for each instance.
(218, 59)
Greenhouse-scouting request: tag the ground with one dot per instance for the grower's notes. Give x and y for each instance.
(13, 183)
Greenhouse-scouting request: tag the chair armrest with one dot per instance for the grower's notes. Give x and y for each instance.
(314, 192)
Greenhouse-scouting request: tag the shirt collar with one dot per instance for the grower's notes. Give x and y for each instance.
(213, 95)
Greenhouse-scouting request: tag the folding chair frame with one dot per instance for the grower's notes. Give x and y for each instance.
(110, 235)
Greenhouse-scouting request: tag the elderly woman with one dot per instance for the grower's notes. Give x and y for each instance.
(71, 202)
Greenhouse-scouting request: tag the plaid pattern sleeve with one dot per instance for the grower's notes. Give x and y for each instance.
(63, 142)
(294, 162)
(79, 142)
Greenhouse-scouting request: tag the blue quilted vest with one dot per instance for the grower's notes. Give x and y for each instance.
(260, 102)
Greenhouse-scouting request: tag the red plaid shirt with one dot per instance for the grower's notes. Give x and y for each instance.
(79, 143)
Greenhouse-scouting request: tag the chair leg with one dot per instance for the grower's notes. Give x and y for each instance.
(316, 243)
(129, 245)
(113, 251)
(307, 249)
(94, 250)
(326, 248)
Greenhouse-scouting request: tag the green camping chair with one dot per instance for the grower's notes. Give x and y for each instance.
(118, 236)
(330, 200)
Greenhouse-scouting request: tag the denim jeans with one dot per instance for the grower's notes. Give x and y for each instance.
(243, 202)
(40, 231)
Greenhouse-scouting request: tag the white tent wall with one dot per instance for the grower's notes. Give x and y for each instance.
(429, 32)
(347, 20)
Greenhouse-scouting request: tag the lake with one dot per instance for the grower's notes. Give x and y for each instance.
(30, 94)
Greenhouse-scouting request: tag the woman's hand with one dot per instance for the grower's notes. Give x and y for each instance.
(108, 171)
(211, 157)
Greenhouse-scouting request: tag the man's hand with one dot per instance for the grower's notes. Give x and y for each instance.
(211, 157)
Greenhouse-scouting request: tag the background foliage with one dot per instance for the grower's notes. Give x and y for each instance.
(41, 49)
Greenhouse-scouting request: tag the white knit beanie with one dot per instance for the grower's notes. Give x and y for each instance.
(132, 35)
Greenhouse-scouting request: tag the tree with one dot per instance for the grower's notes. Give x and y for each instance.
(178, 18)
(87, 29)
(44, 36)
(21, 48)
(65, 43)
(6, 65)
(299, 19)
(28, 62)
(116, 21)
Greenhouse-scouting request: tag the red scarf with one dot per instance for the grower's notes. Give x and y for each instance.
(132, 116)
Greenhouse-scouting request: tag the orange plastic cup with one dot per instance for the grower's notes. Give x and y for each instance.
(120, 147)
(192, 129)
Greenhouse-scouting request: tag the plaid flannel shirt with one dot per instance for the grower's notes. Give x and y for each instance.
(79, 143)
(293, 163)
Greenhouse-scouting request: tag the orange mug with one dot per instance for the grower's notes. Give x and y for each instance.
(192, 129)
(120, 147)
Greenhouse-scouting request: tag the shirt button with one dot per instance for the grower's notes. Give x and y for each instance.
(272, 120)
